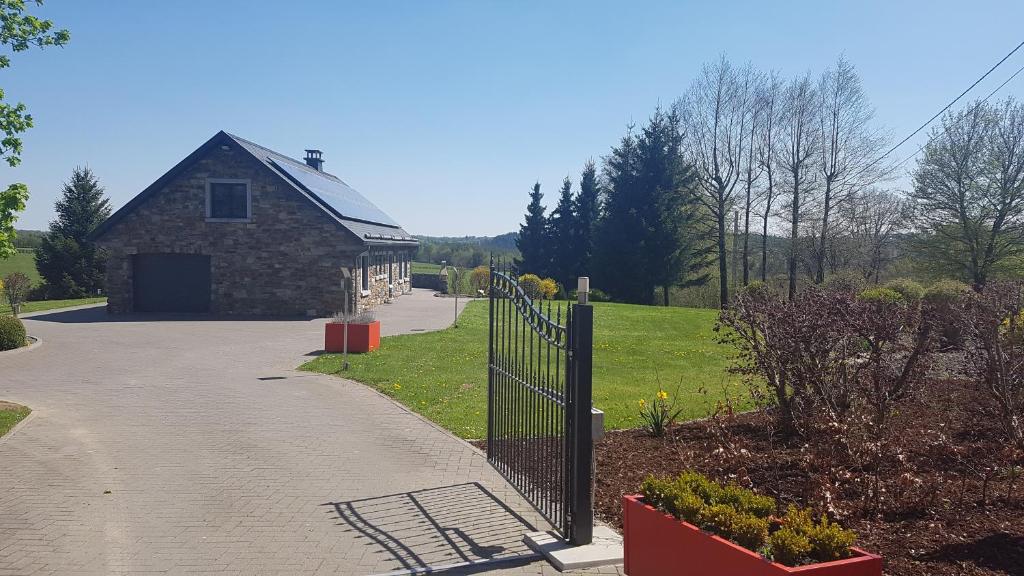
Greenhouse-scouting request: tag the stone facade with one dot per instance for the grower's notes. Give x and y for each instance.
(286, 259)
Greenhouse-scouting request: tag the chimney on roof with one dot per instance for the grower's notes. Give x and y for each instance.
(315, 160)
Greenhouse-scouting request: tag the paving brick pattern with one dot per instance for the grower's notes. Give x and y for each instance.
(179, 446)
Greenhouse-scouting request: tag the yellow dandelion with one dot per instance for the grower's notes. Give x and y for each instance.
(643, 403)
(662, 395)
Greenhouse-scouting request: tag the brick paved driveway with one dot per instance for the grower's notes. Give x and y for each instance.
(185, 445)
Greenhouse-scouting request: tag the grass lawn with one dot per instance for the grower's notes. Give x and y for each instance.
(11, 414)
(443, 375)
(24, 262)
(425, 268)
(41, 305)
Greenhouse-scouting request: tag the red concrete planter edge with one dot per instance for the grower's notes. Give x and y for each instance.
(700, 558)
(362, 337)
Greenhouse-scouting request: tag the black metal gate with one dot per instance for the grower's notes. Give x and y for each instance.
(539, 434)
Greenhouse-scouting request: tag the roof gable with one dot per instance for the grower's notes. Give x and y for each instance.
(342, 203)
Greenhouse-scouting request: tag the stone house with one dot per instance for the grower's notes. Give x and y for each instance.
(236, 228)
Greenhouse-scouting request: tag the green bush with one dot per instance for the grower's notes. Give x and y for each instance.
(12, 333)
(946, 292)
(911, 291)
(880, 295)
(531, 285)
(750, 532)
(687, 506)
(829, 541)
(597, 296)
(744, 517)
(480, 278)
(718, 518)
(788, 547)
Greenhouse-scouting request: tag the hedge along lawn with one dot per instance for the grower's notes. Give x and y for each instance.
(10, 415)
(637, 349)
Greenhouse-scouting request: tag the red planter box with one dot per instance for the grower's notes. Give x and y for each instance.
(361, 337)
(657, 544)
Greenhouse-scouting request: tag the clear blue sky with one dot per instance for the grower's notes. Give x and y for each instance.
(445, 113)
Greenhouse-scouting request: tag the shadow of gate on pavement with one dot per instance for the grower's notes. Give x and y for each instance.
(436, 529)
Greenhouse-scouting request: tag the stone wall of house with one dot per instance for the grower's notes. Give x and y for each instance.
(382, 288)
(286, 260)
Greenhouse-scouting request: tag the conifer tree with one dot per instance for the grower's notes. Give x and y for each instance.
(562, 232)
(72, 266)
(532, 240)
(587, 208)
(649, 233)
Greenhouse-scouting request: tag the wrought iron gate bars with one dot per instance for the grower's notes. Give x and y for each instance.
(534, 429)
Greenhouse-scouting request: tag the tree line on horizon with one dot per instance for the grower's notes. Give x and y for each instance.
(700, 192)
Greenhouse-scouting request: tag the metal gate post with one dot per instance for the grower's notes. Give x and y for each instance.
(582, 526)
(490, 357)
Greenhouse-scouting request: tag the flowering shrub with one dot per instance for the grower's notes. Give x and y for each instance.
(748, 519)
(480, 278)
(658, 414)
(531, 285)
(548, 288)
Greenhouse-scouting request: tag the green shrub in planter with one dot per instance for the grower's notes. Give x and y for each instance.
(12, 333)
(746, 518)
(788, 546)
(750, 532)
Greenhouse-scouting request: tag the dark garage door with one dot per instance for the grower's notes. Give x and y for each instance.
(172, 283)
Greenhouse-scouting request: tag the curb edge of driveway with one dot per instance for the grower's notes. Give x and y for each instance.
(36, 343)
(404, 408)
(17, 427)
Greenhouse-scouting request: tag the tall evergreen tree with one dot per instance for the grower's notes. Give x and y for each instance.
(619, 258)
(532, 241)
(587, 207)
(562, 232)
(676, 255)
(648, 234)
(71, 266)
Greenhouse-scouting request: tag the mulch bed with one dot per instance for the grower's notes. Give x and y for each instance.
(956, 532)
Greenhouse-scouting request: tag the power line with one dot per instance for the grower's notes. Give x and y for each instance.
(940, 112)
(946, 129)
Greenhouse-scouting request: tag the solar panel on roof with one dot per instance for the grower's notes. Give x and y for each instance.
(338, 195)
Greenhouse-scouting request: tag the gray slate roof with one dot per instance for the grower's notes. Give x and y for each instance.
(339, 200)
(350, 208)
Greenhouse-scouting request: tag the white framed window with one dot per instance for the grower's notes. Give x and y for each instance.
(228, 200)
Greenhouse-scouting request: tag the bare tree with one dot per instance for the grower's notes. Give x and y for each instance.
(753, 167)
(799, 141)
(875, 219)
(716, 114)
(767, 102)
(849, 148)
(969, 190)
